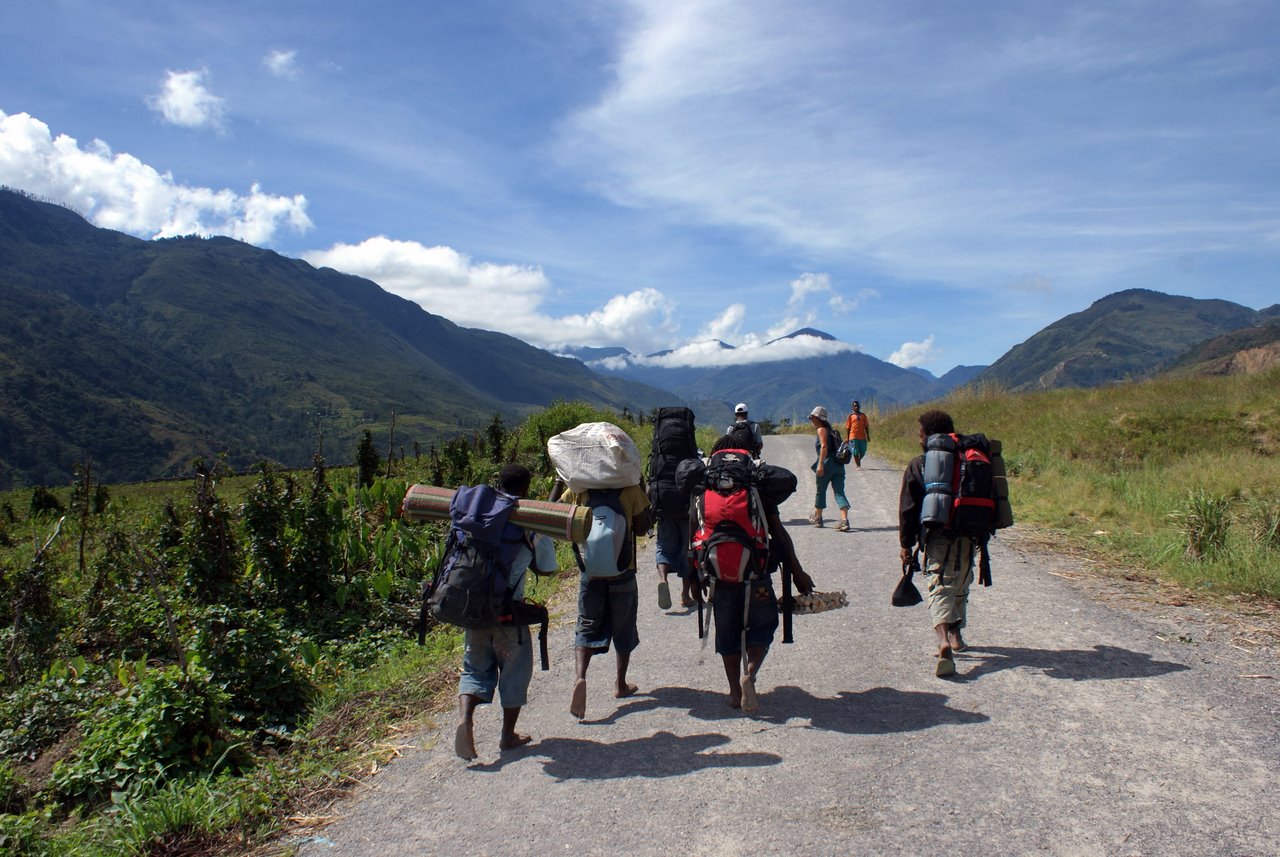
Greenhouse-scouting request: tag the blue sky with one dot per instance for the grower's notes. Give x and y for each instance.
(930, 182)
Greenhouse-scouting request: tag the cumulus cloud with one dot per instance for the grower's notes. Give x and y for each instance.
(282, 63)
(726, 326)
(505, 298)
(185, 100)
(118, 191)
(914, 353)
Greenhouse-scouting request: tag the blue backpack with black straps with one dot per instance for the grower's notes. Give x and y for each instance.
(472, 588)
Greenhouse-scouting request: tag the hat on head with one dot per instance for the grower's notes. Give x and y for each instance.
(819, 412)
(740, 408)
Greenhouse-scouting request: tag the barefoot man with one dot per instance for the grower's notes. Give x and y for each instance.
(501, 656)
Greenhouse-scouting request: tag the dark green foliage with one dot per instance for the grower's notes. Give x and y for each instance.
(313, 553)
(368, 463)
(44, 503)
(265, 513)
(248, 654)
(35, 616)
(495, 436)
(164, 725)
(37, 714)
(211, 551)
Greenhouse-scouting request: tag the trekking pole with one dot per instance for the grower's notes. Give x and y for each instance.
(788, 602)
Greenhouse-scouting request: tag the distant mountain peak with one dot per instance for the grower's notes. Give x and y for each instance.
(807, 331)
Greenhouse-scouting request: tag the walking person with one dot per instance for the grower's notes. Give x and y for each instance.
(500, 657)
(747, 612)
(948, 557)
(608, 605)
(829, 471)
(857, 432)
(747, 430)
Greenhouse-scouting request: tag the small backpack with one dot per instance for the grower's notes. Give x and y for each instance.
(472, 587)
(673, 442)
(744, 435)
(844, 452)
(731, 543)
(604, 553)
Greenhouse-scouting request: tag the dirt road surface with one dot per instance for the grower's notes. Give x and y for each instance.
(1075, 726)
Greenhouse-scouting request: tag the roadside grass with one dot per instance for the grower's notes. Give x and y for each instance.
(1176, 477)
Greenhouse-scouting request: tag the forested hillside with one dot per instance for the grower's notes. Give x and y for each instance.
(141, 355)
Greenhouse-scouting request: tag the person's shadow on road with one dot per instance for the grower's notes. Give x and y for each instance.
(878, 711)
(662, 754)
(1099, 663)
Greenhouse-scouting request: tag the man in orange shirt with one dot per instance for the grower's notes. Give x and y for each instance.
(858, 432)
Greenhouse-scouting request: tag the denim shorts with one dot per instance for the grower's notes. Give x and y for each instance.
(762, 615)
(673, 544)
(500, 657)
(607, 609)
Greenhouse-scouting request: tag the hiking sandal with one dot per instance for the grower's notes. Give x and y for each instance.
(842, 527)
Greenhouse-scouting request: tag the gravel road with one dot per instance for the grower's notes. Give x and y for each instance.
(1075, 726)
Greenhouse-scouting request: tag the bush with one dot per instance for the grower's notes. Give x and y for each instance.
(37, 715)
(246, 652)
(165, 725)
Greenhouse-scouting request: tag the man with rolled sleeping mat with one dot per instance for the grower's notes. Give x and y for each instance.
(501, 656)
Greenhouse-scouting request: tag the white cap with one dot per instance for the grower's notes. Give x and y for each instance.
(740, 408)
(819, 412)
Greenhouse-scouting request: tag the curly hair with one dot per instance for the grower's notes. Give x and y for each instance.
(937, 422)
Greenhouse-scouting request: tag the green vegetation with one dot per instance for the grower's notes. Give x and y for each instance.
(1177, 476)
(185, 666)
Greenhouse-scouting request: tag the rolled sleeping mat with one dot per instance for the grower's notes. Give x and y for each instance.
(564, 521)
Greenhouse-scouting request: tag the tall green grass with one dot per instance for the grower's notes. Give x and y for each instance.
(1176, 476)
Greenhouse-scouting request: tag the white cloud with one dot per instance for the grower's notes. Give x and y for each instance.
(915, 353)
(844, 306)
(505, 298)
(851, 137)
(185, 100)
(282, 63)
(726, 326)
(118, 191)
(709, 353)
(807, 284)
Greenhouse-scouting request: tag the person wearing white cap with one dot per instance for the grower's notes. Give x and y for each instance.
(828, 469)
(744, 428)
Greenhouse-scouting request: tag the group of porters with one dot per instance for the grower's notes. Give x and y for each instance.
(723, 496)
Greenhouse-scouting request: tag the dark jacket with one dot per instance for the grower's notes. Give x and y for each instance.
(910, 502)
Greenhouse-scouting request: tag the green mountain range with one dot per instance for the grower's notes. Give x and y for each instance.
(141, 355)
(1127, 335)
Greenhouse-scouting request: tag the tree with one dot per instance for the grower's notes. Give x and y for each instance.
(368, 463)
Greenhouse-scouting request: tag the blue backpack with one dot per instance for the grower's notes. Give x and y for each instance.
(472, 588)
(604, 553)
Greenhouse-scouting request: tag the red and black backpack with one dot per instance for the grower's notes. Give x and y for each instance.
(731, 542)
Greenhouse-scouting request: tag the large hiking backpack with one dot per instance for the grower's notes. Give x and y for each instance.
(604, 553)
(965, 490)
(744, 434)
(731, 543)
(673, 442)
(472, 587)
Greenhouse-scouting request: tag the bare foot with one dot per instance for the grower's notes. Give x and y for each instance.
(750, 702)
(578, 702)
(516, 740)
(624, 690)
(735, 699)
(464, 742)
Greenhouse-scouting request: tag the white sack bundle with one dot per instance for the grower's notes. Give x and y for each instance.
(595, 455)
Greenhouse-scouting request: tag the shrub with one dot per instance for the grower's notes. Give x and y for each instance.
(246, 652)
(1262, 517)
(36, 715)
(165, 725)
